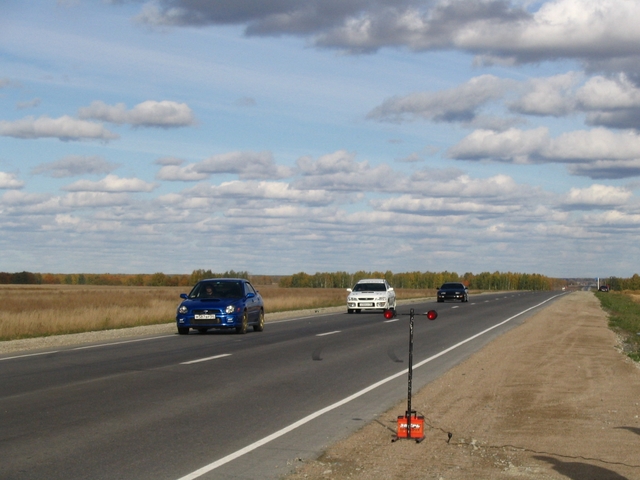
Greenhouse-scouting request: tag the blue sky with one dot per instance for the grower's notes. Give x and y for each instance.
(284, 136)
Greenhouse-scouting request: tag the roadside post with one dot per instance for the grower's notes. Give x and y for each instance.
(410, 425)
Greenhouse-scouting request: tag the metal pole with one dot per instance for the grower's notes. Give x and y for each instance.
(410, 368)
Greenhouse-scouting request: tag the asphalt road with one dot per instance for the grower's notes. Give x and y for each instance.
(222, 405)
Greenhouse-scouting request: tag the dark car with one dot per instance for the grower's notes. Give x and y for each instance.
(221, 303)
(453, 291)
(604, 288)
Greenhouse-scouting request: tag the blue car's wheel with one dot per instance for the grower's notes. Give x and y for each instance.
(242, 329)
(260, 326)
(183, 330)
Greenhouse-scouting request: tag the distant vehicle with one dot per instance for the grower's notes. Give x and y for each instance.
(221, 303)
(453, 291)
(371, 294)
(604, 288)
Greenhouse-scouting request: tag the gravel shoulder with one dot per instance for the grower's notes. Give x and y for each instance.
(551, 399)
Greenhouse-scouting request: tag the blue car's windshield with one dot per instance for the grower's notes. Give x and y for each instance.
(219, 290)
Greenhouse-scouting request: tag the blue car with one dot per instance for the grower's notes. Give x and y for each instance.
(221, 303)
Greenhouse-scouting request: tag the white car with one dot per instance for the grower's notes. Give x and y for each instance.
(371, 294)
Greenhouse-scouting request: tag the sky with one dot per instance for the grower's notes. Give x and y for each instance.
(287, 136)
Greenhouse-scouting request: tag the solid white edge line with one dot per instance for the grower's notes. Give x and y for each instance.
(308, 418)
(117, 343)
(206, 359)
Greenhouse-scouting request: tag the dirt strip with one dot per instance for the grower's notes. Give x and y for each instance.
(551, 399)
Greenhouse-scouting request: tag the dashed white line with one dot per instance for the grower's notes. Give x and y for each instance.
(249, 448)
(328, 333)
(206, 359)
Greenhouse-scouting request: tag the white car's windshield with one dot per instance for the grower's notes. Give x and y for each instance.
(369, 287)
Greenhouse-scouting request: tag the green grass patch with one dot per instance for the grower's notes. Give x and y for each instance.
(624, 319)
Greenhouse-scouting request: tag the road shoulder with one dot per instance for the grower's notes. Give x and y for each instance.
(551, 399)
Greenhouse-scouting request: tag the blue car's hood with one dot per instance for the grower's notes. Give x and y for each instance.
(210, 302)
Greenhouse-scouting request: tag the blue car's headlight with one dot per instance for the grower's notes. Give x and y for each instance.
(183, 309)
(229, 309)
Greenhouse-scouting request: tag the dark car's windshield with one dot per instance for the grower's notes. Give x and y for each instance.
(452, 286)
(220, 290)
(369, 287)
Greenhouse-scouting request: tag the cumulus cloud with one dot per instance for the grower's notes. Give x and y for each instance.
(74, 165)
(339, 171)
(64, 128)
(30, 104)
(496, 30)
(611, 101)
(597, 196)
(9, 181)
(112, 183)
(94, 199)
(165, 114)
(172, 172)
(456, 104)
(582, 148)
(276, 191)
(548, 96)
(247, 165)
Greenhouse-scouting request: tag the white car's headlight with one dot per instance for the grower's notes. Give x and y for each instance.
(183, 309)
(229, 309)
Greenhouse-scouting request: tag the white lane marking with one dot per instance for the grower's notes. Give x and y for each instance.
(118, 343)
(206, 359)
(29, 355)
(328, 333)
(344, 401)
(457, 306)
(392, 320)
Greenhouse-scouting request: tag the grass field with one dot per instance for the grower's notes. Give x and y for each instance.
(624, 318)
(41, 310)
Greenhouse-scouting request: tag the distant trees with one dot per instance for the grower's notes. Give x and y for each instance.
(340, 279)
(620, 284)
(433, 280)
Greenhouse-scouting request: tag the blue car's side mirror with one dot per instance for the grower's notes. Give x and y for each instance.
(184, 295)
(251, 295)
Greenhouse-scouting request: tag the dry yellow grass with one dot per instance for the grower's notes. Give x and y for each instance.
(41, 310)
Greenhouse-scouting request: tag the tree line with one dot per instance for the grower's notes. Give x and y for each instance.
(410, 280)
(615, 283)
(158, 279)
(427, 280)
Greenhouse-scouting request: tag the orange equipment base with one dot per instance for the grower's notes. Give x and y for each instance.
(411, 427)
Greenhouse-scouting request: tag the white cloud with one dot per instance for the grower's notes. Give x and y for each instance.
(9, 181)
(64, 128)
(73, 165)
(599, 196)
(453, 105)
(30, 104)
(146, 114)
(513, 145)
(278, 191)
(247, 165)
(112, 183)
(187, 173)
(338, 171)
(548, 96)
(84, 199)
(582, 148)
